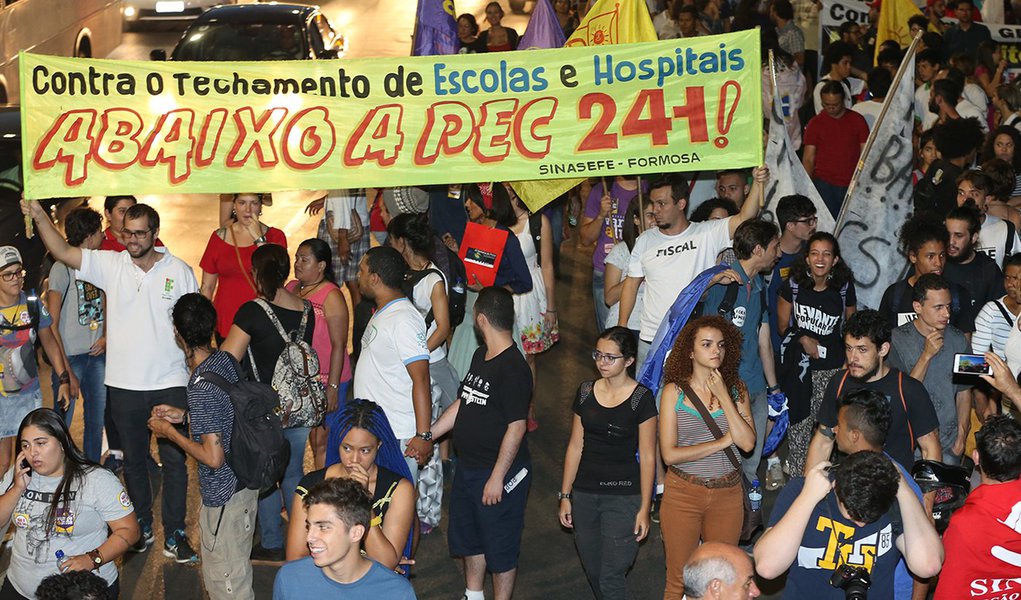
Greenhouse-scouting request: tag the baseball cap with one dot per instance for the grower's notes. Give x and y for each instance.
(9, 255)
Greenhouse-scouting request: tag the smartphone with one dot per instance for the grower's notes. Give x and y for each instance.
(25, 465)
(971, 364)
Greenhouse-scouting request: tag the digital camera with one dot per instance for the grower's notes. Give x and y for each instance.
(855, 581)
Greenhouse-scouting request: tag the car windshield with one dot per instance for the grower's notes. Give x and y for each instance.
(242, 41)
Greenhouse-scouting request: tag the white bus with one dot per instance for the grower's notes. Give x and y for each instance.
(82, 28)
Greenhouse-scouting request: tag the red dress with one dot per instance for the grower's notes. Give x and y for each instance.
(232, 288)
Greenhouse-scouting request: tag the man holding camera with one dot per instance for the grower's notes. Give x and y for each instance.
(838, 530)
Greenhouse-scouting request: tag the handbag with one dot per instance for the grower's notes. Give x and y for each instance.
(752, 517)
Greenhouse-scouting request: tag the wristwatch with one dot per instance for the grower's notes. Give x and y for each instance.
(427, 436)
(563, 496)
(96, 557)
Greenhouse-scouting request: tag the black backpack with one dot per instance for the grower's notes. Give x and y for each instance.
(451, 268)
(258, 450)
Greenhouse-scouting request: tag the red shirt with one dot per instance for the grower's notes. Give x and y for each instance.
(232, 288)
(837, 144)
(983, 546)
(110, 242)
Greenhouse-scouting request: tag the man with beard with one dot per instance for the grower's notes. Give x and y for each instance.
(148, 368)
(669, 256)
(913, 420)
(743, 303)
(925, 347)
(957, 141)
(997, 238)
(973, 271)
(923, 239)
(487, 498)
(393, 369)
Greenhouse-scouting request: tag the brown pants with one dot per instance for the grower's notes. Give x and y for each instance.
(689, 512)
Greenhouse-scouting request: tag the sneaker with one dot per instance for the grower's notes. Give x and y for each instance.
(654, 513)
(144, 541)
(178, 548)
(774, 477)
(267, 555)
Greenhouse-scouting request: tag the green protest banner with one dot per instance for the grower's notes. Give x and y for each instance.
(96, 127)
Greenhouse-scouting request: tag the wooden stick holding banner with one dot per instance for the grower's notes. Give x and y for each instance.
(875, 130)
(772, 81)
(29, 230)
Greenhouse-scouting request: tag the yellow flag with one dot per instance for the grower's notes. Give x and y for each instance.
(607, 22)
(893, 22)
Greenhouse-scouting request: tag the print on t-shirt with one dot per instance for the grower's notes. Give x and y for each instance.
(90, 305)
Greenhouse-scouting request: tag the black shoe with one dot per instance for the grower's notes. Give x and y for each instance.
(144, 541)
(178, 548)
(272, 555)
(654, 513)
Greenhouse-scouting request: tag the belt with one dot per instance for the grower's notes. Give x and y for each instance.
(729, 480)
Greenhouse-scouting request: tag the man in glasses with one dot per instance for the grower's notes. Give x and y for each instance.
(147, 368)
(795, 215)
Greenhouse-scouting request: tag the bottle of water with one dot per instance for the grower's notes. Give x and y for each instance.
(60, 560)
(755, 495)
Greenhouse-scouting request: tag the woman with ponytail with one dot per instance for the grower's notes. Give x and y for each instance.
(254, 339)
(371, 455)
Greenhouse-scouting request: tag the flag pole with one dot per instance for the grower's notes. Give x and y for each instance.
(875, 129)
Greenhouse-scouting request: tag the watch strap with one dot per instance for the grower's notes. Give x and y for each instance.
(97, 558)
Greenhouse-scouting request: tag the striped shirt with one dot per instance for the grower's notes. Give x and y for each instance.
(692, 430)
(992, 328)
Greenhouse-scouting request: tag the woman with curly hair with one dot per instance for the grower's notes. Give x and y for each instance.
(814, 302)
(703, 498)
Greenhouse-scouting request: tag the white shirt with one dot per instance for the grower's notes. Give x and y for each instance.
(393, 339)
(870, 110)
(965, 109)
(423, 301)
(992, 239)
(141, 353)
(852, 84)
(1013, 350)
(339, 204)
(669, 263)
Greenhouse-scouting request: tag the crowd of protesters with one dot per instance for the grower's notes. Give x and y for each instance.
(437, 389)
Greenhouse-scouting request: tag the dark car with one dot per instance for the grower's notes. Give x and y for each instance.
(258, 32)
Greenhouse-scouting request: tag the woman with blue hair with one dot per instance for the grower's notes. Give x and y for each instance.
(371, 455)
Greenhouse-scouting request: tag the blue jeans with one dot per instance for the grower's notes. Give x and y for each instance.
(91, 372)
(270, 524)
(599, 301)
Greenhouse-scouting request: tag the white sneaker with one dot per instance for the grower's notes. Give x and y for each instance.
(774, 477)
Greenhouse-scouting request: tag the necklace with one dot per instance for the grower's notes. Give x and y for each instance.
(305, 294)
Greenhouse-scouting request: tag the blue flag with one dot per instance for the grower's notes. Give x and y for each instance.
(679, 313)
(544, 29)
(435, 29)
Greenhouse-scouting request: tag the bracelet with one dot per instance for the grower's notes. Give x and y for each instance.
(334, 386)
(772, 388)
(563, 495)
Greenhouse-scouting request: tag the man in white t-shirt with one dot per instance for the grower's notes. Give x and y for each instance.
(670, 255)
(997, 238)
(393, 368)
(146, 366)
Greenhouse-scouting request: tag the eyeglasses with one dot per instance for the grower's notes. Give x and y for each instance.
(140, 234)
(11, 276)
(808, 220)
(600, 357)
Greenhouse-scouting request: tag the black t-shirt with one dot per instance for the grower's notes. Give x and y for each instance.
(981, 277)
(820, 315)
(920, 414)
(266, 343)
(493, 394)
(608, 464)
(386, 485)
(962, 311)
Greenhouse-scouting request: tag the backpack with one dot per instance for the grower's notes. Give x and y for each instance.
(17, 365)
(456, 277)
(258, 450)
(296, 374)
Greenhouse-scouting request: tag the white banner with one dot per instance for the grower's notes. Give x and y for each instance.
(787, 175)
(879, 198)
